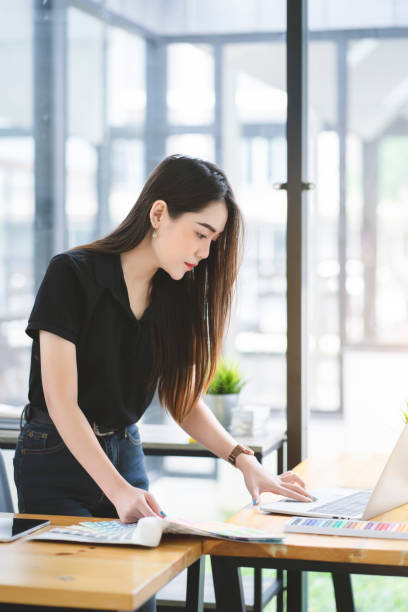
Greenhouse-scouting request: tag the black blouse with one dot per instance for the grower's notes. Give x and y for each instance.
(83, 298)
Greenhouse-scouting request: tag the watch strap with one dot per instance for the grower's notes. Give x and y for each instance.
(237, 450)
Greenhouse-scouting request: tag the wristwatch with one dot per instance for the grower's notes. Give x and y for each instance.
(237, 450)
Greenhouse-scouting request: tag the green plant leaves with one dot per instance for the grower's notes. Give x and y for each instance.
(405, 413)
(227, 378)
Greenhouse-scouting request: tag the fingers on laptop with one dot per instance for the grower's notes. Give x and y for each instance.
(292, 477)
(295, 492)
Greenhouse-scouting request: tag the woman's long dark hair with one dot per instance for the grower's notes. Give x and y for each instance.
(189, 316)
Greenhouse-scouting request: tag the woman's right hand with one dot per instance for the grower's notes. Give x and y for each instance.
(133, 503)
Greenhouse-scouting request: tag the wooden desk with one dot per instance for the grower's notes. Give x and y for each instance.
(171, 440)
(168, 440)
(340, 555)
(105, 577)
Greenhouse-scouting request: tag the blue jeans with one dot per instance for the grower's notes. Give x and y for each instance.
(50, 480)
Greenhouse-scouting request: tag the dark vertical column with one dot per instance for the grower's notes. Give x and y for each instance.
(369, 236)
(219, 103)
(342, 233)
(49, 130)
(296, 262)
(296, 259)
(343, 592)
(228, 589)
(195, 586)
(296, 592)
(156, 104)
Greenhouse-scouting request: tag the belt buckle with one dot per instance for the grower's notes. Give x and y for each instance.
(98, 432)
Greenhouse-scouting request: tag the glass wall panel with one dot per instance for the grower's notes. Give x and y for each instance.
(16, 197)
(81, 191)
(190, 94)
(126, 89)
(16, 34)
(254, 81)
(196, 17)
(86, 117)
(16, 278)
(357, 240)
(378, 120)
(126, 93)
(196, 145)
(323, 250)
(127, 177)
(358, 141)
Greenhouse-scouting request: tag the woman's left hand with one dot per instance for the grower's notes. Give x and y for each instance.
(258, 481)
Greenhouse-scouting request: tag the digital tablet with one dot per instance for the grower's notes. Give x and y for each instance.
(12, 527)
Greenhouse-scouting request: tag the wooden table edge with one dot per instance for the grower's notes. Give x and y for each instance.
(20, 594)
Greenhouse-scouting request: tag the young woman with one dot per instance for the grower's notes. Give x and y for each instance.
(143, 308)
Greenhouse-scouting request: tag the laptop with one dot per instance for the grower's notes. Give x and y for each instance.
(390, 492)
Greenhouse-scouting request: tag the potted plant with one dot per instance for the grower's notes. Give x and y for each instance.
(405, 414)
(223, 392)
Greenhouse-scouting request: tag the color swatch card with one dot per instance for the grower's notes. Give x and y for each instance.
(347, 527)
(148, 531)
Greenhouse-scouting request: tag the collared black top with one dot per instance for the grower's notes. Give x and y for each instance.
(83, 298)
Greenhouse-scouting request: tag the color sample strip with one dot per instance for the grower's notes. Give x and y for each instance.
(347, 524)
(348, 527)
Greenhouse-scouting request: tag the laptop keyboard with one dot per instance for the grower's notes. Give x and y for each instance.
(351, 505)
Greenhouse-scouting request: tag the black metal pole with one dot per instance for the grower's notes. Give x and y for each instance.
(229, 592)
(195, 586)
(296, 259)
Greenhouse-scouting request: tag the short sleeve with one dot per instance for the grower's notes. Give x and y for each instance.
(57, 306)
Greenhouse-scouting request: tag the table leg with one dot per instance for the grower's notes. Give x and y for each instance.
(195, 586)
(281, 467)
(343, 592)
(229, 594)
(296, 593)
(279, 598)
(257, 589)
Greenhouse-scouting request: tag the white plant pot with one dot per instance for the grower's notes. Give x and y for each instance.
(222, 406)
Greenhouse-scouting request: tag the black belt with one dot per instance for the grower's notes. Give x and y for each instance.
(33, 414)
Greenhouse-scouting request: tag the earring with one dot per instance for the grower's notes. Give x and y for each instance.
(154, 235)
